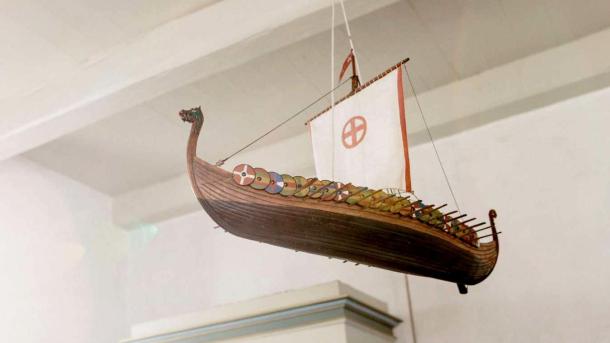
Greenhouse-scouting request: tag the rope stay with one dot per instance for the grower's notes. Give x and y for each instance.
(222, 161)
(331, 92)
(438, 157)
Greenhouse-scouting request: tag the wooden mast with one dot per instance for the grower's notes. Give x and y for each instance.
(355, 78)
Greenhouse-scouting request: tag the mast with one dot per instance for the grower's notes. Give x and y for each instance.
(355, 78)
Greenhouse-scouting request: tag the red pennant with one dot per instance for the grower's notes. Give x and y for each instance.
(348, 60)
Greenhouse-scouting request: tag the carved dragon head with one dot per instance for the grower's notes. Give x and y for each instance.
(193, 115)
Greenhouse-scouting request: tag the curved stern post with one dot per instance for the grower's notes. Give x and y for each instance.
(462, 288)
(492, 216)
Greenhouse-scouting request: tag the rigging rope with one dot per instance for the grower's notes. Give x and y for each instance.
(332, 86)
(410, 307)
(331, 92)
(222, 161)
(438, 157)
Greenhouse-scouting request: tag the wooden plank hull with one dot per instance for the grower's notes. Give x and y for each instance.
(339, 230)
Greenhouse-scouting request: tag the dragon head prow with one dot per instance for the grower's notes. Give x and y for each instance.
(193, 115)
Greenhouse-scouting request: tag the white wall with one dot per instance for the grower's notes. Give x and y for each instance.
(184, 265)
(60, 258)
(547, 173)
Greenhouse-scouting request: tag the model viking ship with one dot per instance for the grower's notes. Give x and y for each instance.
(346, 212)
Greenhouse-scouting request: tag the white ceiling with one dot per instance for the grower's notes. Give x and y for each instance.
(45, 40)
(447, 41)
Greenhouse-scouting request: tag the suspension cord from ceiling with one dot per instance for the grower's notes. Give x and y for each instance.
(349, 37)
(222, 161)
(332, 86)
(438, 157)
(332, 69)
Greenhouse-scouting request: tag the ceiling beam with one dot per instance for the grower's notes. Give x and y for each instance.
(507, 90)
(216, 38)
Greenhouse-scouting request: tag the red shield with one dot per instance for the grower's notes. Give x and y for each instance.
(243, 174)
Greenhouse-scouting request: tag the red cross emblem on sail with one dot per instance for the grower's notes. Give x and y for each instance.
(353, 132)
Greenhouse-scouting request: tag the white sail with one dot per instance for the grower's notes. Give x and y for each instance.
(363, 139)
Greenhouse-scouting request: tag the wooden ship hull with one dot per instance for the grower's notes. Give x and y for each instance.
(337, 229)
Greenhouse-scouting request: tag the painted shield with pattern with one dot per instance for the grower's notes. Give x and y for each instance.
(243, 174)
(447, 226)
(304, 190)
(261, 179)
(346, 191)
(276, 184)
(301, 182)
(290, 185)
(374, 199)
(414, 206)
(401, 204)
(318, 188)
(389, 202)
(354, 199)
(454, 227)
(331, 191)
(379, 200)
